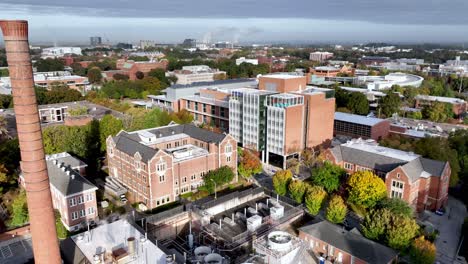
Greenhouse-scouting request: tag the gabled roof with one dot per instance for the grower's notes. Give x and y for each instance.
(130, 143)
(64, 183)
(351, 242)
(370, 155)
(130, 146)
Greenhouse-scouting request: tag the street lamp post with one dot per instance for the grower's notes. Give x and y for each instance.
(214, 188)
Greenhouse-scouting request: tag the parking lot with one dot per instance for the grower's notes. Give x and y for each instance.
(449, 226)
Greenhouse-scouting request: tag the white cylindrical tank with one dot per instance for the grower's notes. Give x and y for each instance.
(279, 240)
(213, 258)
(201, 252)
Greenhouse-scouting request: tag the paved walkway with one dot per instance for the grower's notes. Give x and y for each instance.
(449, 226)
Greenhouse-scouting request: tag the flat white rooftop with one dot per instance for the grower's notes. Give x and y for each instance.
(372, 147)
(106, 238)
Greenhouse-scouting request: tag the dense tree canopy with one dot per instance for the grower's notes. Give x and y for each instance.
(314, 199)
(336, 210)
(108, 126)
(390, 104)
(281, 181)
(328, 176)
(19, 210)
(366, 189)
(422, 251)
(358, 104)
(49, 64)
(297, 190)
(94, 75)
(249, 163)
(220, 176)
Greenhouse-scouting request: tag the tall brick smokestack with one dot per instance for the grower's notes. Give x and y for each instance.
(33, 164)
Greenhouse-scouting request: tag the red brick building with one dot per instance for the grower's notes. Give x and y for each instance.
(130, 68)
(337, 245)
(72, 194)
(422, 183)
(358, 126)
(157, 165)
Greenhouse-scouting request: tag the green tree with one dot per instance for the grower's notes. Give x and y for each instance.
(151, 85)
(219, 176)
(139, 75)
(328, 176)
(78, 111)
(375, 224)
(358, 104)
(314, 199)
(182, 117)
(437, 112)
(390, 104)
(366, 189)
(297, 190)
(336, 210)
(108, 126)
(4, 73)
(94, 75)
(401, 231)
(281, 180)
(422, 251)
(396, 206)
(19, 210)
(62, 232)
(48, 65)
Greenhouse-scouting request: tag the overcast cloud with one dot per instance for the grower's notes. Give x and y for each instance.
(244, 20)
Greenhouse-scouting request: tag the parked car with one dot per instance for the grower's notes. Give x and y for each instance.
(440, 212)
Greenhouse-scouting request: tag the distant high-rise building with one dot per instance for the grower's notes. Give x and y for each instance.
(95, 41)
(224, 45)
(124, 45)
(189, 43)
(144, 44)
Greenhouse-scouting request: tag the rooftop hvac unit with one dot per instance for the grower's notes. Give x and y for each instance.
(276, 212)
(254, 222)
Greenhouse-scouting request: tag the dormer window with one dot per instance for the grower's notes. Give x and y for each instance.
(137, 164)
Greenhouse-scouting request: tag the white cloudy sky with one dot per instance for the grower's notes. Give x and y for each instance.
(243, 20)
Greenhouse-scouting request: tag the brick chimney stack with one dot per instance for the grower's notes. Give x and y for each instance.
(33, 164)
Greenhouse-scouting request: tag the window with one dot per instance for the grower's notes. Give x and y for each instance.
(188, 104)
(193, 177)
(204, 108)
(137, 164)
(91, 211)
(228, 159)
(72, 202)
(168, 145)
(398, 175)
(80, 199)
(74, 215)
(397, 189)
(176, 182)
(89, 197)
(213, 111)
(162, 178)
(228, 148)
(184, 179)
(176, 143)
(196, 106)
(348, 166)
(161, 166)
(82, 213)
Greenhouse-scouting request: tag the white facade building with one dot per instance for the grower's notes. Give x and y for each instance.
(241, 60)
(58, 52)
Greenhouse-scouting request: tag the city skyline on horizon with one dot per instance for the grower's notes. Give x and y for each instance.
(262, 22)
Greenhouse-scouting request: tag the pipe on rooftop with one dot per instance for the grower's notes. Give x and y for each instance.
(33, 163)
